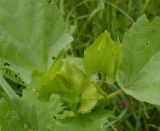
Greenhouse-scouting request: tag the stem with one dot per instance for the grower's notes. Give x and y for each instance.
(116, 93)
(6, 87)
(107, 2)
(17, 81)
(120, 10)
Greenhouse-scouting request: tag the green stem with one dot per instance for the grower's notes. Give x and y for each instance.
(6, 87)
(120, 10)
(116, 93)
(17, 81)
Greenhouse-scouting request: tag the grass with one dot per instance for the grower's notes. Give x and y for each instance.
(86, 20)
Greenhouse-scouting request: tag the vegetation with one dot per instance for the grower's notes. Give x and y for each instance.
(79, 65)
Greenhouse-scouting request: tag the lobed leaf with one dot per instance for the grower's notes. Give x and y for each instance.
(31, 32)
(139, 71)
(9, 118)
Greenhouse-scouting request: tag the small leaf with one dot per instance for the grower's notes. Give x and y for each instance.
(104, 55)
(89, 99)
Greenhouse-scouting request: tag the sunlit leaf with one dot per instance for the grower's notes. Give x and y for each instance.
(104, 55)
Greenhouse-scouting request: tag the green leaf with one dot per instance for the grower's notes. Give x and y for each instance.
(6, 87)
(35, 114)
(9, 120)
(50, 83)
(89, 99)
(72, 84)
(93, 121)
(31, 112)
(139, 73)
(104, 55)
(31, 32)
(77, 61)
(27, 113)
(1, 63)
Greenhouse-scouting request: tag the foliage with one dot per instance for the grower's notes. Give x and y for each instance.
(140, 76)
(88, 18)
(42, 88)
